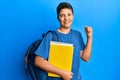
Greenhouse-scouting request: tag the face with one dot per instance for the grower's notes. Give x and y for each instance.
(66, 18)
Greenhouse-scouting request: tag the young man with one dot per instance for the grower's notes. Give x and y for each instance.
(66, 34)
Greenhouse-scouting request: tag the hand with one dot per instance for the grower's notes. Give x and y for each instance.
(88, 31)
(66, 75)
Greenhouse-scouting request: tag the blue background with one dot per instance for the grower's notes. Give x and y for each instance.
(23, 21)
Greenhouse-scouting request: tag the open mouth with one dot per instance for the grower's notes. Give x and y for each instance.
(66, 22)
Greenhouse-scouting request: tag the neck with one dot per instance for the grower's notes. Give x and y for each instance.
(64, 30)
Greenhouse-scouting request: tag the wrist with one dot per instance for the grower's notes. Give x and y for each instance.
(60, 73)
(89, 37)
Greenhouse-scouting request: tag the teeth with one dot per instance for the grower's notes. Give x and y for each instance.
(67, 22)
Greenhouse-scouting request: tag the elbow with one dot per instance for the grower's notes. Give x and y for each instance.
(86, 59)
(85, 56)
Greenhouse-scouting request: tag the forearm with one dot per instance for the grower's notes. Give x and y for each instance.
(45, 65)
(85, 54)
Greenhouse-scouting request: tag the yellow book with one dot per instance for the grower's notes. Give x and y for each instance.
(60, 56)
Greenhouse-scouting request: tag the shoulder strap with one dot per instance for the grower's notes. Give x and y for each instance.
(54, 35)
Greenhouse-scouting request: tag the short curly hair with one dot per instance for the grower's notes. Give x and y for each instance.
(63, 5)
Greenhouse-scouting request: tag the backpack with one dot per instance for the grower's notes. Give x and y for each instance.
(30, 68)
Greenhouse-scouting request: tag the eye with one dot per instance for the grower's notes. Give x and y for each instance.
(61, 15)
(69, 14)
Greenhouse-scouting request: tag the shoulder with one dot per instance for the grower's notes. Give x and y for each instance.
(51, 34)
(75, 32)
(47, 35)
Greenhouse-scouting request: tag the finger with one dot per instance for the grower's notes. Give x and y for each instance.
(71, 77)
(71, 74)
(87, 29)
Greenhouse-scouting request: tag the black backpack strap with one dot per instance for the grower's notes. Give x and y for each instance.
(54, 35)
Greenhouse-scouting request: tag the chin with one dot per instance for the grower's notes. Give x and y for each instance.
(66, 27)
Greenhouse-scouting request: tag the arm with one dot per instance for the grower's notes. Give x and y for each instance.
(45, 65)
(85, 54)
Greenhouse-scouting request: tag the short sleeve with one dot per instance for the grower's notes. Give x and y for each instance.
(81, 42)
(43, 49)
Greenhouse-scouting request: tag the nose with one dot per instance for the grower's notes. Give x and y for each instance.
(66, 17)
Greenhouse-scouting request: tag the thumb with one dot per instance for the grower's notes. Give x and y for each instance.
(71, 74)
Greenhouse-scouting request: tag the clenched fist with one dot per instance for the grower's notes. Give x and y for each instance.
(88, 31)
